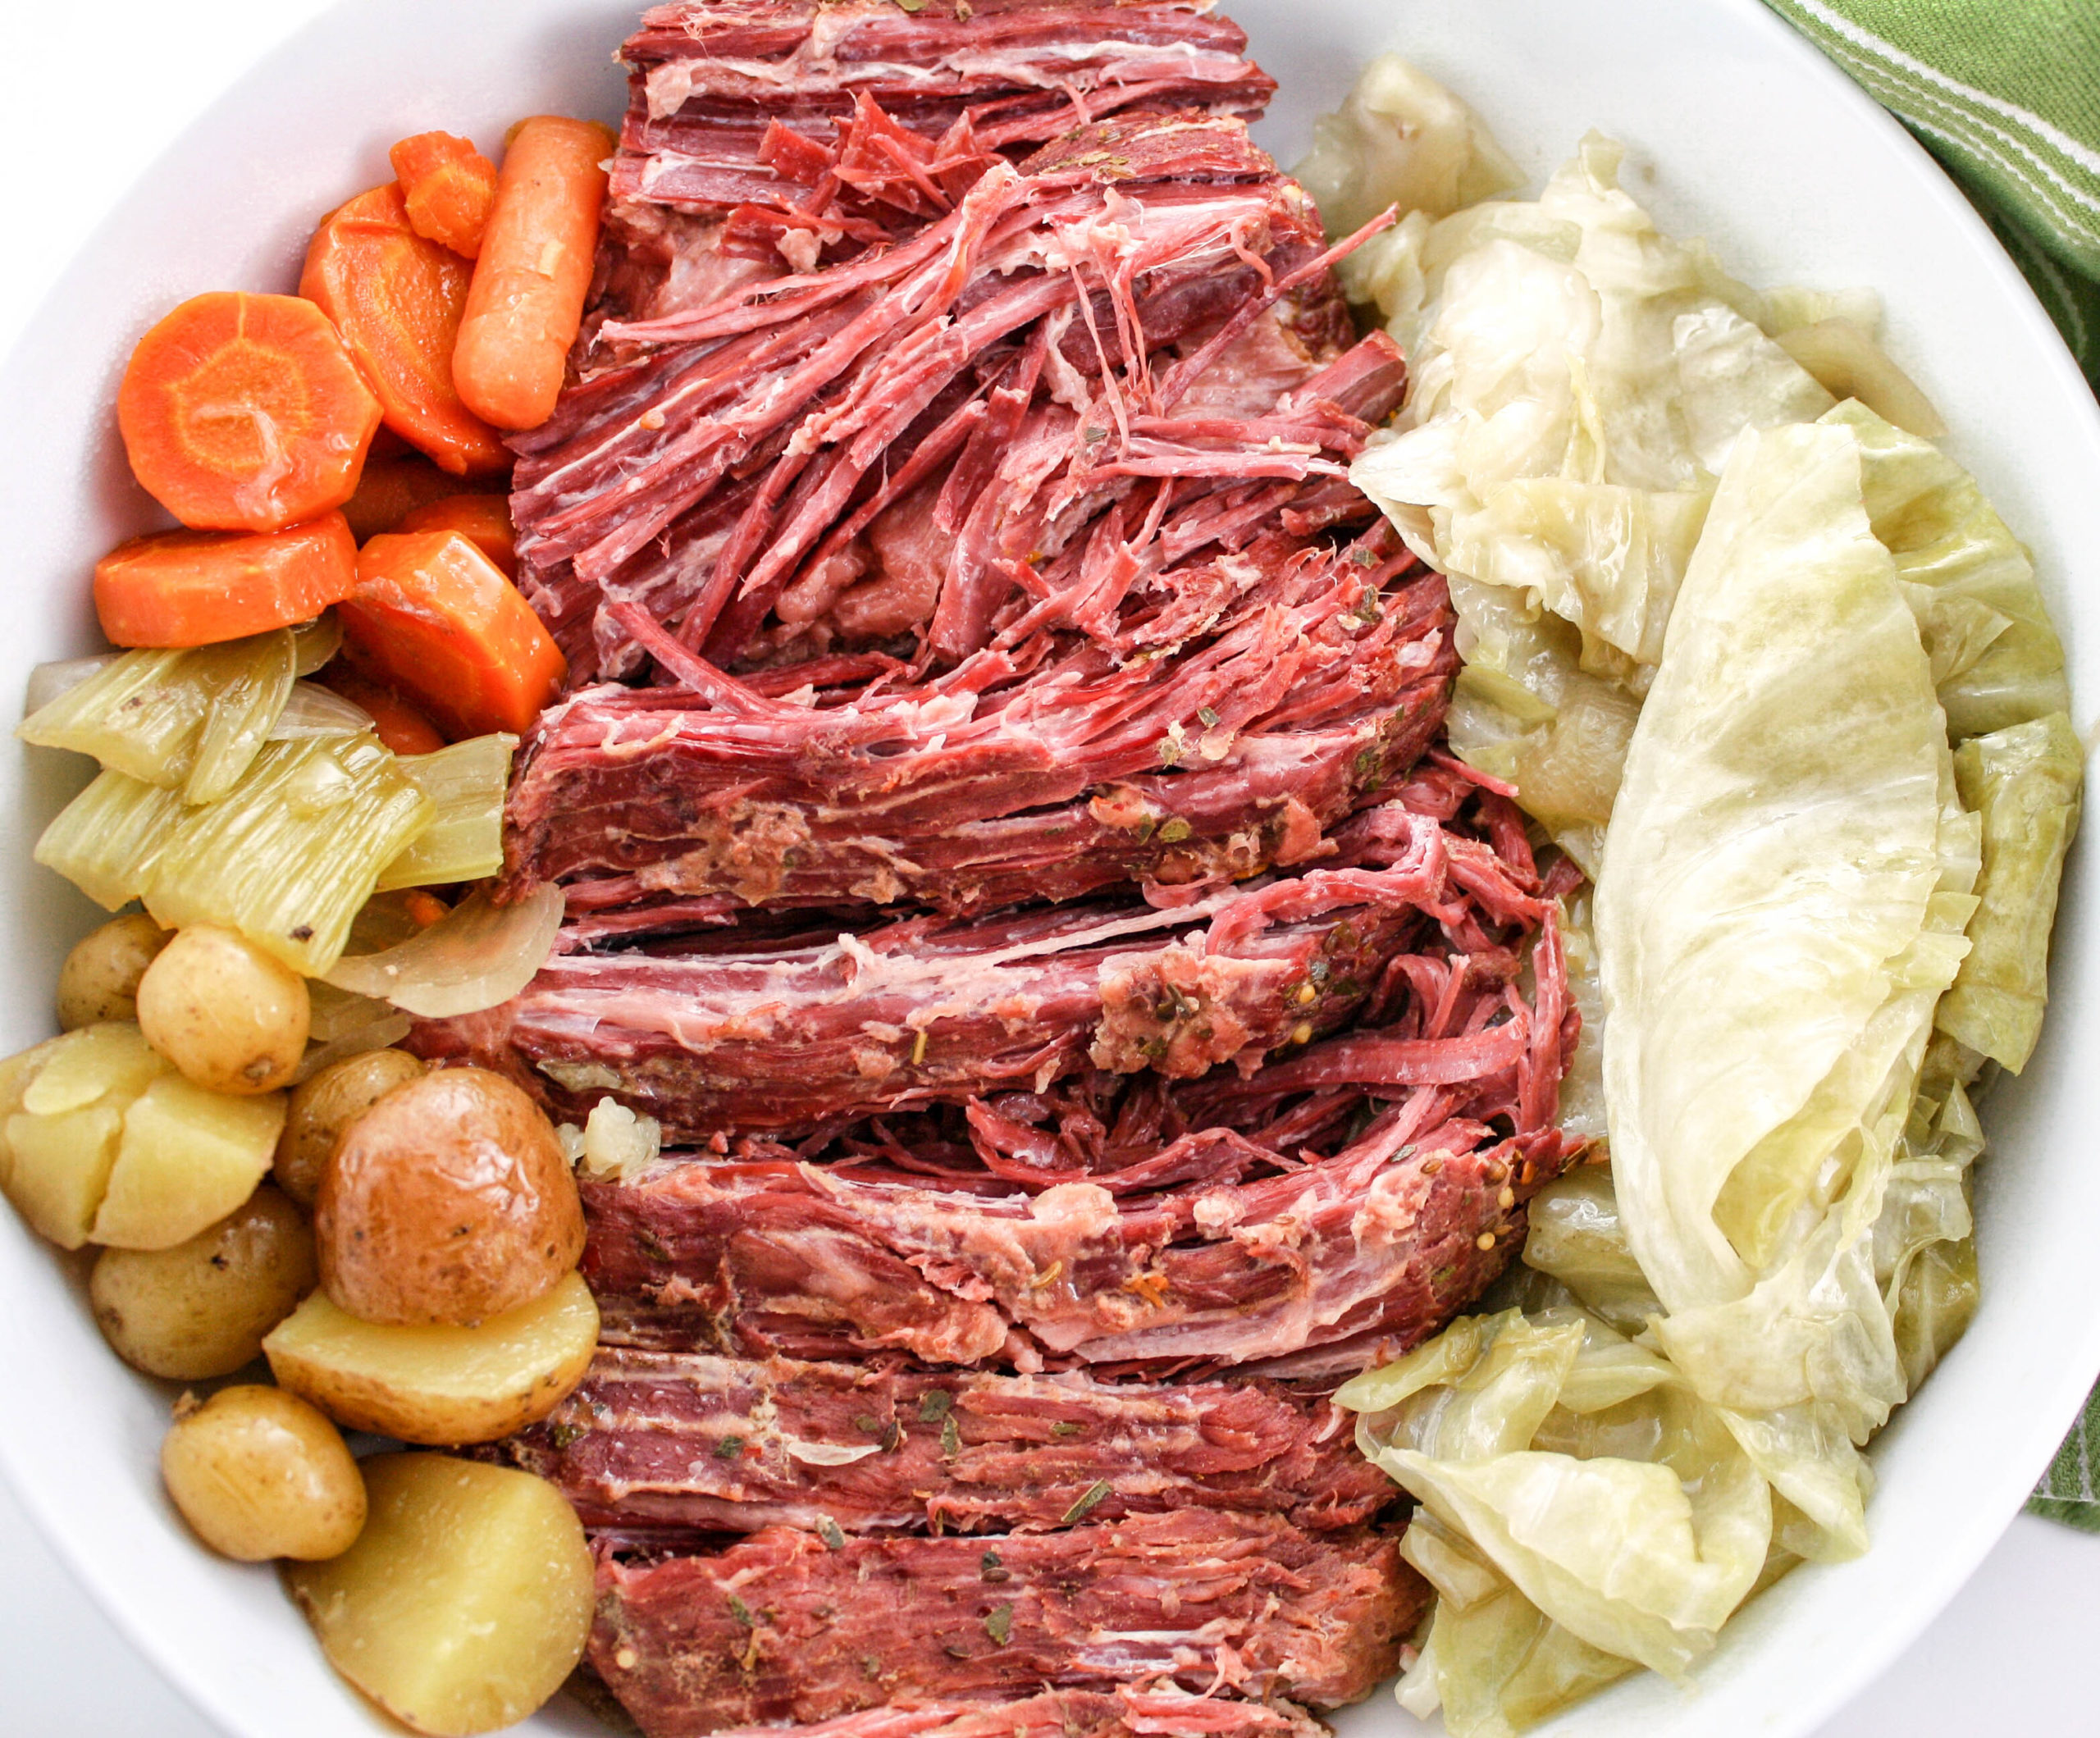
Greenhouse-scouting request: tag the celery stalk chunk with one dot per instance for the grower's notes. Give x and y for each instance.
(193, 719)
(107, 839)
(289, 856)
(464, 842)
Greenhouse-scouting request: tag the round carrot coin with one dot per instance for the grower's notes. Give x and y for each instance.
(196, 587)
(245, 413)
(397, 298)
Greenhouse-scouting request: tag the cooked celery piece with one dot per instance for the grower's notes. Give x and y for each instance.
(107, 839)
(193, 719)
(464, 842)
(242, 712)
(289, 856)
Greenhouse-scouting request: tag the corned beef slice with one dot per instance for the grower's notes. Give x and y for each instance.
(1313, 1272)
(716, 1034)
(1321, 677)
(655, 1441)
(1127, 1713)
(755, 105)
(781, 1628)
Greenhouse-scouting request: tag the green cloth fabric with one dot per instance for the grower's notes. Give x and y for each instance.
(2005, 94)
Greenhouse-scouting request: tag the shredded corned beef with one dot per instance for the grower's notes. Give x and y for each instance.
(1007, 851)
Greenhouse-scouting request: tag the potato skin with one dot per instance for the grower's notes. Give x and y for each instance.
(201, 1308)
(448, 1202)
(228, 1015)
(99, 980)
(465, 1601)
(258, 1473)
(322, 1107)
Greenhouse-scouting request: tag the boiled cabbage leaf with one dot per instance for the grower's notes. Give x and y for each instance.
(1401, 139)
(1773, 857)
(1563, 1467)
(1996, 660)
(2025, 781)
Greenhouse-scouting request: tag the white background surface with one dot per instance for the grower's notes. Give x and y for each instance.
(82, 106)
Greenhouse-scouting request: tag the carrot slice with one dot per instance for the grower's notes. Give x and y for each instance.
(199, 587)
(397, 299)
(449, 187)
(391, 489)
(433, 619)
(245, 413)
(399, 725)
(535, 267)
(484, 520)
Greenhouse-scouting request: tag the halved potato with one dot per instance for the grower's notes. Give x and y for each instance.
(467, 1598)
(189, 1157)
(440, 1385)
(60, 1166)
(63, 1102)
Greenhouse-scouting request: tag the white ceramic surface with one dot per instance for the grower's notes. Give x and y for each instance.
(1752, 140)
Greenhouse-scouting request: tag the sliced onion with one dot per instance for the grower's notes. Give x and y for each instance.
(48, 681)
(315, 711)
(315, 642)
(476, 955)
(387, 1027)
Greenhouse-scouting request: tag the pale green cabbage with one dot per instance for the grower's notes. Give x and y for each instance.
(1401, 139)
(2025, 781)
(1996, 658)
(1772, 671)
(1582, 1508)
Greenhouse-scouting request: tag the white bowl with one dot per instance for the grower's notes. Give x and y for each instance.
(1752, 139)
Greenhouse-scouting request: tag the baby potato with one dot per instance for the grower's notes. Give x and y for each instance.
(325, 1106)
(258, 1473)
(188, 1158)
(228, 1015)
(99, 980)
(465, 1603)
(441, 1386)
(448, 1201)
(200, 1309)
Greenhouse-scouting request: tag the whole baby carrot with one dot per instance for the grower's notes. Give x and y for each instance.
(526, 302)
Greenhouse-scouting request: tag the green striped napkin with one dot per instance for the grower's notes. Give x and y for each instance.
(2005, 94)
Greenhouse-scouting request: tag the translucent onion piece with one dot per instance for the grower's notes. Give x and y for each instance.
(107, 839)
(48, 681)
(464, 841)
(338, 1013)
(193, 719)
(476, 955)
(290, 857)
(315, 711)
(377, 1030)
(317, 641)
